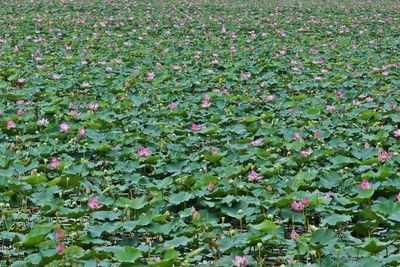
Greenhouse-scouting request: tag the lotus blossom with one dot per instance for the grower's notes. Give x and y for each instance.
(64, 127)
(253, 176)
(330, 108)
(214, 151)
(393, 106)
(305, 202)
(296, 136)
(196, 127)
(206, 101)
(54, 162)
(60, 248)
(20, 112)
(306, 153)
(296, 206)
(195, 213)
(211, 186)
(396, 133)
(60, 234)
(339, 94)
(299, 205)
(317, 134)
(10, 124)
(398, 197)
(43, 121)
(150, 76)
(365, 185)
(93, 106)
(257, 142)
(384, 155)
(313, 51)
(294, 235)
(172, 105)
(94, 203)
(245, 75)
(85, 84)
(366, 145)
(270, 98)
(240, 261)
(82, 132)
(143, 152)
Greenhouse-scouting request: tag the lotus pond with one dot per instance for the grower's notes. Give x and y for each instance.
(199, 133)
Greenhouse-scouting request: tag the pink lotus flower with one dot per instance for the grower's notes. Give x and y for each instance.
(296, 136)
(20, 112)
(196, 127)
(396, 133)
(299, 205)
(64, 127)
(257, 142)
(214, 151)
(339, 94)
(211, 186)
(306, 153)
(398, 197)
(314, 51)
(43, 121)
(94, 203)
(60, 234)
(60, 248)
(366, 145)
(93, 106)
(317, 134)
(150, 76)
(143, 152)
(383, 155)
(296, 206)
(240, 261)
(305, 202)
(195, 213)
(365, 185)
(245, 75)
(54, 162)
(393, 106)
(85, 84)
(330, 108)
(294, 235)
(82, 132)
(206, 101)
(270, 98)
(253, 176)
(172, 105)
(10, 124)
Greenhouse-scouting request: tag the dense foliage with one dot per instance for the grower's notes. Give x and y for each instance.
(161, 133)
